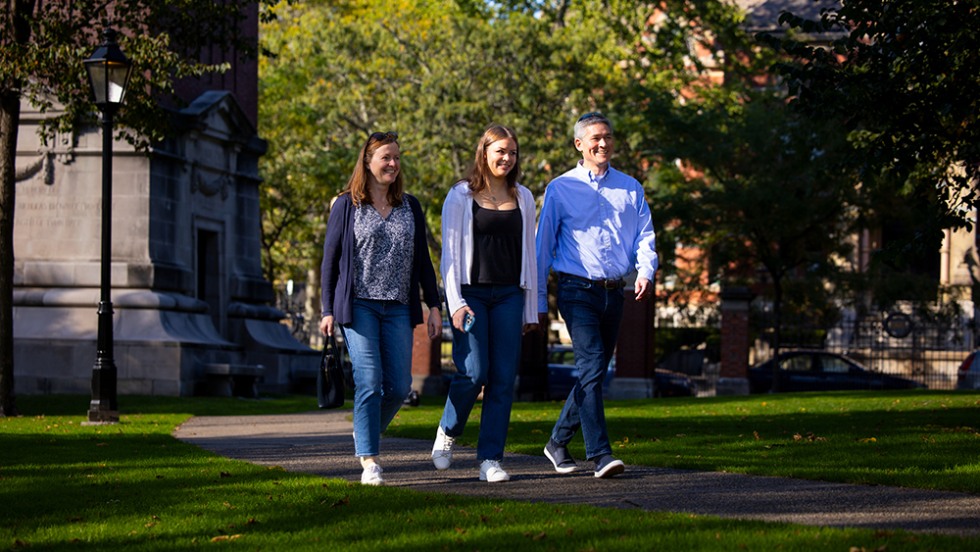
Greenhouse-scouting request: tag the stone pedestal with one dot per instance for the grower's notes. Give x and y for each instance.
(733, 376)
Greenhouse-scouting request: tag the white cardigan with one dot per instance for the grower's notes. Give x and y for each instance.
(457, 248)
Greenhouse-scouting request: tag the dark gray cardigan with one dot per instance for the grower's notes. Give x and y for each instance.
(337, 270)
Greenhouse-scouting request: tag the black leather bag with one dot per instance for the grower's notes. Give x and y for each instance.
(330, 386)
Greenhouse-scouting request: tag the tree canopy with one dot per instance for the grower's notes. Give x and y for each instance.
(903, 79)
(439, 72)
(680, 80)
(757, 172)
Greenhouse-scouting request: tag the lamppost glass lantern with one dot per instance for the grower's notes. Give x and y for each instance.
(108, 72)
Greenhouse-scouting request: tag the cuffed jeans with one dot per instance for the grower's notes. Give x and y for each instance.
(592, 315)
(486, 358)
(379, 339)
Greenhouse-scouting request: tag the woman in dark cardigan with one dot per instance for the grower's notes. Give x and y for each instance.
(375, 259)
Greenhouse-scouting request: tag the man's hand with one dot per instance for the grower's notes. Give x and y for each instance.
(642, 289)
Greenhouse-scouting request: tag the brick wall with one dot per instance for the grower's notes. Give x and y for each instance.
(735, 333)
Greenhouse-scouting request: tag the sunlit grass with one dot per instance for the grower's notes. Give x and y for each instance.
(132, 486)
(926, 439)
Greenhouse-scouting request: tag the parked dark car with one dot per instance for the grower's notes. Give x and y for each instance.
(562, 376)
(968, 376)
(805, 370)
(671, 384)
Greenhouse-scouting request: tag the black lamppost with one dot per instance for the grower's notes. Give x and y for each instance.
(108, 75)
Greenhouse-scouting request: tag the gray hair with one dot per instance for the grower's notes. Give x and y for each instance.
(587, 120)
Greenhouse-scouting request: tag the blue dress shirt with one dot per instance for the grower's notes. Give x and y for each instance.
(594, 227)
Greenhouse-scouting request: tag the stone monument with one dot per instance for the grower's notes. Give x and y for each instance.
(192, 308)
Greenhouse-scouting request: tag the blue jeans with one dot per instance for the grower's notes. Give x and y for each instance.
(379, 339)
(487, 357)
(592, 315)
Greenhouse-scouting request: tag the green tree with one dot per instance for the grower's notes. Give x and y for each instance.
(439, 72)
(434, 72)
(903, 78)
(749, 192)
(764, 189)
(42, 46)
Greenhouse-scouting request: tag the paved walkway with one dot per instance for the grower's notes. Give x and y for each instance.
(320, 443)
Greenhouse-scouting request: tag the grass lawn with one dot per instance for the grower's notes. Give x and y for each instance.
(917, 438)
(132, 486)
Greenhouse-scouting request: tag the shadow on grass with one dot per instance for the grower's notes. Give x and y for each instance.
(133, 486)
(920, 438)
(926, 441)
(95, 491)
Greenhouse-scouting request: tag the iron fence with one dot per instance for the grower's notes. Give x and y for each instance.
(926, 349)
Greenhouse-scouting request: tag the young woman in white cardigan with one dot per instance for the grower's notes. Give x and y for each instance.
(489, 271)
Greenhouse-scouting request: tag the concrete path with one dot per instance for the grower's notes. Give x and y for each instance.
(320, 443)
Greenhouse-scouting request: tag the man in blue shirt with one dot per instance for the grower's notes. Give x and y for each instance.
(594, 231)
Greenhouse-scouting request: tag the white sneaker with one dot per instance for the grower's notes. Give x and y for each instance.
(491, 472)
(372, 475)
(442, 450)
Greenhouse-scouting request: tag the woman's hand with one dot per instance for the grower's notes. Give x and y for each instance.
(460, 314)
(434, 322)
(326, 325)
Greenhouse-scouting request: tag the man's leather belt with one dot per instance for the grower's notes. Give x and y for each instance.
(605, 284)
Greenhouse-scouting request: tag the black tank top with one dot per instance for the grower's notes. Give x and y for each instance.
(496, 246)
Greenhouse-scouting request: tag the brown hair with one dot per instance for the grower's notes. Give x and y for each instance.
(357, 184)
(479, 174)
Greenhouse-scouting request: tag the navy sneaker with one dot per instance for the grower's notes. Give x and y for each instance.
(563, 462)
(607, 466)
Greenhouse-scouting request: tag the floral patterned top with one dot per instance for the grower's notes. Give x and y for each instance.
(384, 250)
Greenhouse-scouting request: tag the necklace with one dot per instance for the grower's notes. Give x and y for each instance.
(491, 197)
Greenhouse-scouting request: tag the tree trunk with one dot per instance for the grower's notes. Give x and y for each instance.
(9, 120)
(311, 307)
